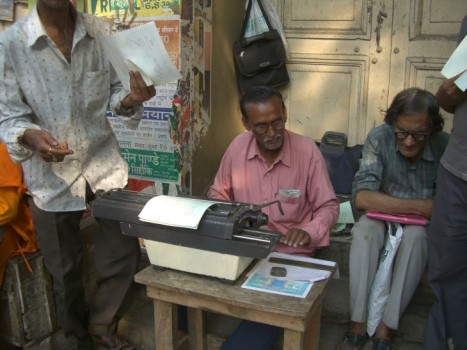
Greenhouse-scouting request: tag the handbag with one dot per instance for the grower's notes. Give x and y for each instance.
(382, 282)
(342, 162)
(260, 59)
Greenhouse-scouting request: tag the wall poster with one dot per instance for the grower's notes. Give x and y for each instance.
(153, 151)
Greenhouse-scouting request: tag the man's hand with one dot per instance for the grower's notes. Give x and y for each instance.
(449, 95)
(296, 237)
(48, 147)
(139, 92)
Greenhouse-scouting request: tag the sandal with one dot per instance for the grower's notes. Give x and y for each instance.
(352, 341)
(382, 344)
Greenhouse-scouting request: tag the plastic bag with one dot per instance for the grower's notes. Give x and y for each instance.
(382, 283)
(257, 25)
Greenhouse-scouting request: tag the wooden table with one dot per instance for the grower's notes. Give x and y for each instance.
(300, 318)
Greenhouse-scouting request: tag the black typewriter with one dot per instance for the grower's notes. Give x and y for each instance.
(226, 227)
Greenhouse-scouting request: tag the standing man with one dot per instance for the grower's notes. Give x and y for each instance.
(397, 175)
(56, 85)
(269, 163)
(447, 235)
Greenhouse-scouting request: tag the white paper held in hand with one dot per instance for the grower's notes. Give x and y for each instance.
(456, 64)
(142, 48)
(132, 66)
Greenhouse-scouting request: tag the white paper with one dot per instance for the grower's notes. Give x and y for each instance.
(140, 48)
(345, 213)
(296, 283)
(175, 211)
(456, 64)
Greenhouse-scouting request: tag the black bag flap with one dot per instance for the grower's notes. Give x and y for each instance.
(333, 142)
(263, 51)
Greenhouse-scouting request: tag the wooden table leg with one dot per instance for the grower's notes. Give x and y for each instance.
(304, 341)
(293, 340)
(196, 329)
(313, 329)
(165, 325)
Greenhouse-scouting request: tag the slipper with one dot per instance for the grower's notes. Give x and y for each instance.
(382, 344)
(352, 341)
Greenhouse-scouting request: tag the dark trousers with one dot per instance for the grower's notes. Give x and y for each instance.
(116, 260)
(447, 265)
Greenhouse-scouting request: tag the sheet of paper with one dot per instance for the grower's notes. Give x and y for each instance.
(345, 213)
(456, 64)
(140, 48)
(175, 211)
(298, 280)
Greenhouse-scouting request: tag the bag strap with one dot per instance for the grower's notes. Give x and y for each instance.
(247, 16)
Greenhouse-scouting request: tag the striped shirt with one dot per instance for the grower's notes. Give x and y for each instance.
(384, 169)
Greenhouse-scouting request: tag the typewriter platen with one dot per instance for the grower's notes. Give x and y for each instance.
(226, 227)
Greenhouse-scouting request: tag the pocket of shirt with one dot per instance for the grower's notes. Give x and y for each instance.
(97, 88)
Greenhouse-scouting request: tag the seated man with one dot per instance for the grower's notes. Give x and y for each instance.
(17, 233)
(270, 163)
(397, 175)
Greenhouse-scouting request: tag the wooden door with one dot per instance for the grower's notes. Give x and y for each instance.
(348, 58)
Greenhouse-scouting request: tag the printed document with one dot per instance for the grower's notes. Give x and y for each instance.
(140, 49)
(175, 211)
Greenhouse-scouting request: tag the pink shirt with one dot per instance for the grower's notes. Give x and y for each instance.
(298, 178)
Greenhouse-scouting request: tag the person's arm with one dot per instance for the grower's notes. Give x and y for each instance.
(378, 201)
(316, 232)
(16, 116)
(222, 185)
(128, 106)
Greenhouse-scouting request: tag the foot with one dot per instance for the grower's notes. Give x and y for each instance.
(382, 339)
(382, 344)
(112, 342)
(352, 341)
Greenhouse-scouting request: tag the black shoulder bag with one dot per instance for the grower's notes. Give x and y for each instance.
(260, 59)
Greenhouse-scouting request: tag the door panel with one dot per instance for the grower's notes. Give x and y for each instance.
(348, 59)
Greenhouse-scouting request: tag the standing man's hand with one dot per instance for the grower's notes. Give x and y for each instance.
(449, 95)
(139, 92)
(49, 148)
(296, 237)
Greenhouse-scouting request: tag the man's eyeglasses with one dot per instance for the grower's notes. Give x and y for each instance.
(277, 125)
(417, 135)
